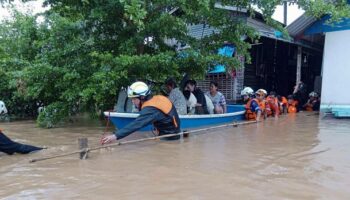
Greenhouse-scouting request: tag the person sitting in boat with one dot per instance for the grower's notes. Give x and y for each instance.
(191, 102)
(292, 106)
(176, 96)
(253, 111)
(210, 105)
(313, 104)
(201, 106)
(217, 98)
(10, 147)
(156, 109)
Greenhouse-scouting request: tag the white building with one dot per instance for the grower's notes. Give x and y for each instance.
(335, 38)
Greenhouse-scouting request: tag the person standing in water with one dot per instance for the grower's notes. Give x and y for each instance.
(253, 111)
(153, 109)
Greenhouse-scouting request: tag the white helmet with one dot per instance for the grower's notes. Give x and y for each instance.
(247, 91)
(138, 89)
(3, 109)
(261, 92)
(313, 94)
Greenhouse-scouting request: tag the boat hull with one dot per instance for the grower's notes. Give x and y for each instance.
(235, 113)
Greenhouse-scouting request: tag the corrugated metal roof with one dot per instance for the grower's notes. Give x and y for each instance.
(298, 27)
(199, 31)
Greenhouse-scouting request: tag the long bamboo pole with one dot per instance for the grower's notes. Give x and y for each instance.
(86, 150)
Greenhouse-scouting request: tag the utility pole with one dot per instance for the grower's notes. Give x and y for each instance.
(285, 9)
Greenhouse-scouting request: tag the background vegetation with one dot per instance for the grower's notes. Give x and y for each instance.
(78, 57)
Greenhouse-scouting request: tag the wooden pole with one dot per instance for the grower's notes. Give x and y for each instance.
(83, 144)
(86, 150)
(298, 76)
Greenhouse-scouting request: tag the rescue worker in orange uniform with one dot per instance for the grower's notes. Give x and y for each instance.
(272, 101)
(153, 109)
(260, 95)
(283, 102)
(313, 104)
(292, 105)
(253, 111)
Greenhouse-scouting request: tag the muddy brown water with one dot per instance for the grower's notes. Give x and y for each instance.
(299, 156)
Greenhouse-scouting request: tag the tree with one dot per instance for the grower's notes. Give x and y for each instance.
(84, 51)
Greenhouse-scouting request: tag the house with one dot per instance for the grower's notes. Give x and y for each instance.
(335, 71)
(276, 65)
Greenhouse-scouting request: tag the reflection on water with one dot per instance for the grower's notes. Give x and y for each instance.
(295, 157)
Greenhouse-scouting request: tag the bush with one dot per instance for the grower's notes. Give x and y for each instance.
(52, 115)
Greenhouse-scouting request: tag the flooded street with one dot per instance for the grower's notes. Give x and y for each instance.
(295, 157)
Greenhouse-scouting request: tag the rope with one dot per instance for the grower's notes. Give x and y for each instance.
(86, 150)
(108, 121)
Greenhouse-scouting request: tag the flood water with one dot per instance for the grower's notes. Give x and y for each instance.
(303, 156)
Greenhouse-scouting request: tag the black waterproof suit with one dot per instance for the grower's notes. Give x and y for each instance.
(10, 147)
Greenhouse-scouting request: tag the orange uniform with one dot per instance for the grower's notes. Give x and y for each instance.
(273, 104)
(249, 114)
(292, 107)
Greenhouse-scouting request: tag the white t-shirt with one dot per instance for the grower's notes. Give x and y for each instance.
(210, 105)
(191, 103)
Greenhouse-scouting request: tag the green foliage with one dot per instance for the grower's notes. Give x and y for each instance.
(84, 51)
(52, 115)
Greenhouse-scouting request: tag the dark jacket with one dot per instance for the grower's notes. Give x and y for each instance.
(10, 147)
(201, 100)
(165, 120)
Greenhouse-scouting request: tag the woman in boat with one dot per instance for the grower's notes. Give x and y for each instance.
(153, 109)
(176, 96)
(217, 98)
(10, 147)
(201, 106)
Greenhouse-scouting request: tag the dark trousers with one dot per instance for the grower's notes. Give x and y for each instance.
(10, 147)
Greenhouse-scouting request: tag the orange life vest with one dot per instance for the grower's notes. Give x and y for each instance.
(163, 104)
(309, 108)
(283, 104)
(292, 108)
(264, 107)
(284, 101)
(249, 114)
(273, 104)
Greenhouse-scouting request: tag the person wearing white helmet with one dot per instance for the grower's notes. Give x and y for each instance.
(313, 104)
(156, 109)
(253, 111)
(260, 95)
